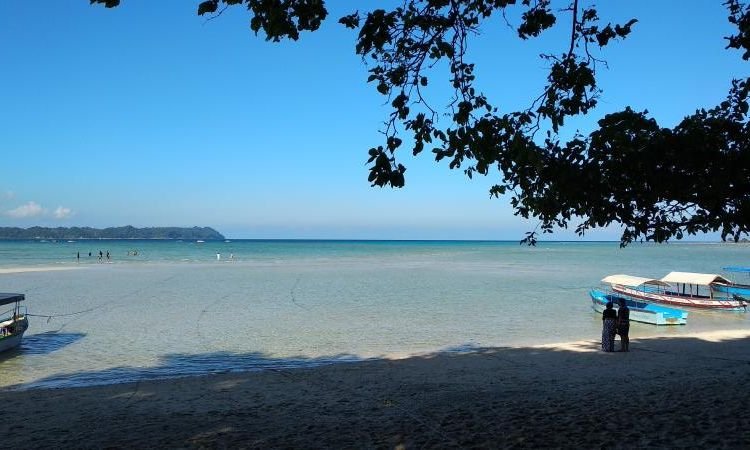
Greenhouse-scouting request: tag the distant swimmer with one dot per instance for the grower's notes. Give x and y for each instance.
(78, 256)
(218, 256)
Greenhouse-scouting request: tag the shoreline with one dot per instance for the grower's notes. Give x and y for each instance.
(667, 392)
(158, 374)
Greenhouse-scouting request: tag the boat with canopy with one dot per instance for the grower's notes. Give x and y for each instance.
(13, 321)
(682, 289)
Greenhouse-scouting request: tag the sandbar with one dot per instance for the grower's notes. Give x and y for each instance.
(35, 269)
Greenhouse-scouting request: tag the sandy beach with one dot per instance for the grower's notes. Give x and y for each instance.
(667, 392)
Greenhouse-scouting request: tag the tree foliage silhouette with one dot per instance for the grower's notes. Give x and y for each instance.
(657, 183)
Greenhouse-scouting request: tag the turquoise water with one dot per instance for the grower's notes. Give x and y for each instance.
(174, 309)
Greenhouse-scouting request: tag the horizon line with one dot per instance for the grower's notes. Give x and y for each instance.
(573, 241)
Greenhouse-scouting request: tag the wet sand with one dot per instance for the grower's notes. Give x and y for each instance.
(666, 392)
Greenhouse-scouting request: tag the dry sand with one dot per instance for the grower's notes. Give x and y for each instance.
(667, 392)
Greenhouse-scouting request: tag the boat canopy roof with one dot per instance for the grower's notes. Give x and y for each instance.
(631, 281)
(703, 279)
(6, 299)
(736, 269)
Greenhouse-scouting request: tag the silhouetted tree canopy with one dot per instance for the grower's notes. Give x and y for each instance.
(658, 183)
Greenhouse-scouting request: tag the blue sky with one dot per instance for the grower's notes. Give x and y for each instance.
(148, 115)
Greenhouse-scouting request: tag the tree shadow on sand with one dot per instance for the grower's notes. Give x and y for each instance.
(666, 392)
(184, 365)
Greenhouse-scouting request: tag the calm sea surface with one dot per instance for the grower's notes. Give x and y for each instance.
(175, 309)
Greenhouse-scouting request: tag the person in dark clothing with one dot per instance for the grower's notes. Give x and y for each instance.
(623, 325)
(609, 323)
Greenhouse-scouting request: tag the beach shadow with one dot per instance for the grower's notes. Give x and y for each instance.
(185, 365)
(666, 392)
(46, 343)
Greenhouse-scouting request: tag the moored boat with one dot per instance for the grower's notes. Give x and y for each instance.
(13, 322)
(734, 287)
(700, 290)
(640, 311)
(681, 289)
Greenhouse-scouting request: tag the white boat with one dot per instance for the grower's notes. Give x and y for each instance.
(13, 322)
(682, 289)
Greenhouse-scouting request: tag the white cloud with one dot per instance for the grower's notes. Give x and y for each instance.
(30, 209)
(33, 209)
(62, 212)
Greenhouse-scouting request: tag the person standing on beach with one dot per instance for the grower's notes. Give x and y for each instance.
(609, 323)
(623, 325)
(78, 256)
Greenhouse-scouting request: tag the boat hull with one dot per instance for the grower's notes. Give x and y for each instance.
(673, 299)
(9, 342)
(640, 311)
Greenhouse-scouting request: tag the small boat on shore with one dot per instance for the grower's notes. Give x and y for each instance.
(639, 311)
(682, 289)
(13, 322)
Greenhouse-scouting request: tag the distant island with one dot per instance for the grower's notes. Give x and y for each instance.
(127, 232)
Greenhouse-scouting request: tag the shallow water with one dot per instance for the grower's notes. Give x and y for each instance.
(175, 310)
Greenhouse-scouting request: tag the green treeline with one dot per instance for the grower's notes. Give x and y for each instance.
(127, 232)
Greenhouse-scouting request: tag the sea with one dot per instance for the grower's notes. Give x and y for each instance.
(168, 308)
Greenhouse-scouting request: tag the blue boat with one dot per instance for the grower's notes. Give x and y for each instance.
(640, 311)
(742, 289)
